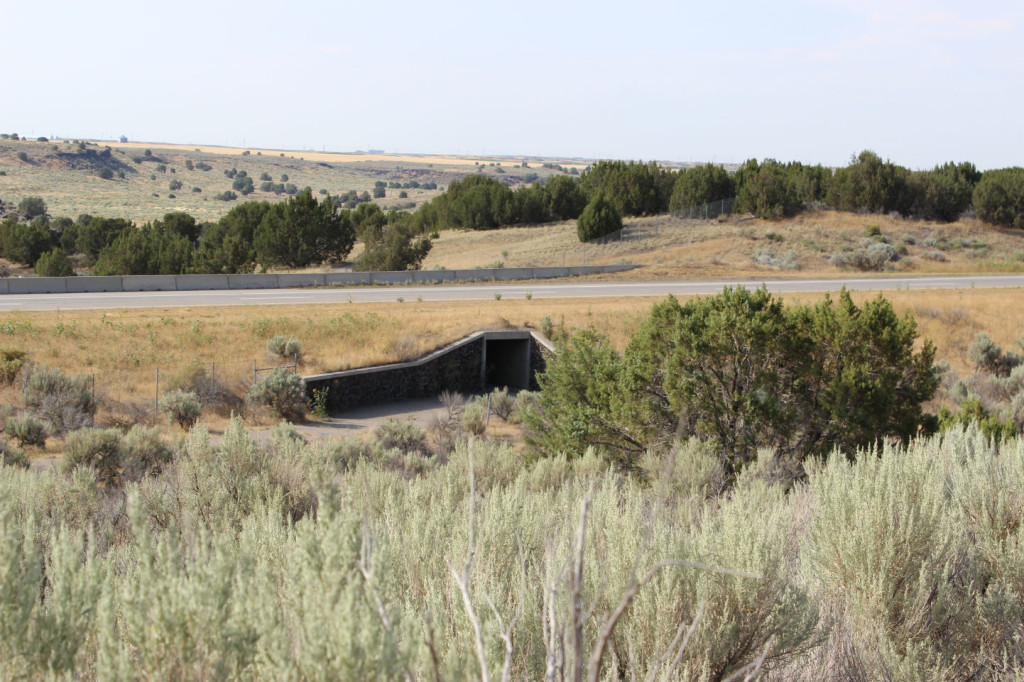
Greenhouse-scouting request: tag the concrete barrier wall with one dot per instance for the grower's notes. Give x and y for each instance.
(85, 284)
(300, 280)
(547, 273)
(260, 281)
(148, 283)
(90, 284)
(391, 277)
(39, 285)
(347, 278)
(200, 282)
(433, 276)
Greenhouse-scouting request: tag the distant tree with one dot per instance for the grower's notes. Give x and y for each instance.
(566, 196)
(226, 195)
(378, 192)
(265, 177)
(870, 185)
(146, 251)
(301, 231)
(98, 233)
(54, 264)
(179, 224)
(999, 197)
(531, 204)
(31, 207)
(284, 177)
(174, 185)
(633, 188)
(243, 184)
(599, 218)
(189, 165)
(226, 247)
(392, 247)
(943, 193)
(765, 189)
(701, 185)
(24, 242)
(105, 173)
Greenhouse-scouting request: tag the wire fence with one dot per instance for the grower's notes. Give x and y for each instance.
(709, 211)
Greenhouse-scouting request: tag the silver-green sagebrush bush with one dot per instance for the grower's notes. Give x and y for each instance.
(281, 391)
(294, 560)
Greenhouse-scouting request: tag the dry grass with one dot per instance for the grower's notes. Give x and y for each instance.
(670, 247)
(350, 157)
(125, 349)
(144, 193)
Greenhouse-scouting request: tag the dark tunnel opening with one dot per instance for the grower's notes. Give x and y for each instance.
(507, 363)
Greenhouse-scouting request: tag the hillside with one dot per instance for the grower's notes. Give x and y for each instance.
(66, 174)
(668, 247)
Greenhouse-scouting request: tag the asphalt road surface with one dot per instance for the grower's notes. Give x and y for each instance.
(508, 290)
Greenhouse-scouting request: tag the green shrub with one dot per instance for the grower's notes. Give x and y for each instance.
(98, 449)
(11, 362)
(142, 452)
(54, 264)
(63, 401)
(182, 407)
(28, 429)
(502, 403)
(474, 418)
(402, 435)
(286, 347)
(12, 456)
(598, 219)
(525, 402)
(281, 391)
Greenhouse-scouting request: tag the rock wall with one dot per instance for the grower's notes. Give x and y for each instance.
(457, 370)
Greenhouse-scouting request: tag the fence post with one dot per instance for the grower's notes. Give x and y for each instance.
(295, 365)
(213, 374)
(156, 397)
(254, 371)
(487, 421)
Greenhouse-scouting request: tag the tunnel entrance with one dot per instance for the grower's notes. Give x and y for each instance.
(477, 363)
(507, 363)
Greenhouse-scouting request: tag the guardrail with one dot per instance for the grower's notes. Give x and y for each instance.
(89, 284)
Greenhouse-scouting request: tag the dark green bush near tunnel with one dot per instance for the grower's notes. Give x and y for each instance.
(745, 372)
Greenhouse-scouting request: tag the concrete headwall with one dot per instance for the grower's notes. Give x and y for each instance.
(89, 284)
(462, 366)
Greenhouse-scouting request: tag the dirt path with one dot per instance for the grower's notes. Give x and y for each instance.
(361, 419)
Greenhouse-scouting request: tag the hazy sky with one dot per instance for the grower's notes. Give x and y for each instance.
(810, 80)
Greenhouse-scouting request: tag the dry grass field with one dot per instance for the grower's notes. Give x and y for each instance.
(668, 247)
(125, 349)
(65, 175)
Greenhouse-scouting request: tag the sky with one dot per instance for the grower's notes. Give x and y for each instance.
(920, 83)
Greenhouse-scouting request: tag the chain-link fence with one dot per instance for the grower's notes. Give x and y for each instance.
(708, 211)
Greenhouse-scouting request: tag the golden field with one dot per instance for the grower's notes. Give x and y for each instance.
(124, 349)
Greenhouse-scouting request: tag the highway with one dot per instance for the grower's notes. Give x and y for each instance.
(479, 292)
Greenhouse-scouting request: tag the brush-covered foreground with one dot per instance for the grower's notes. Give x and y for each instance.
(318, 561)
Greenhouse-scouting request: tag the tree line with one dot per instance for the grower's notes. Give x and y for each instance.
(303, 231)
(767, 188)
(296, 233)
